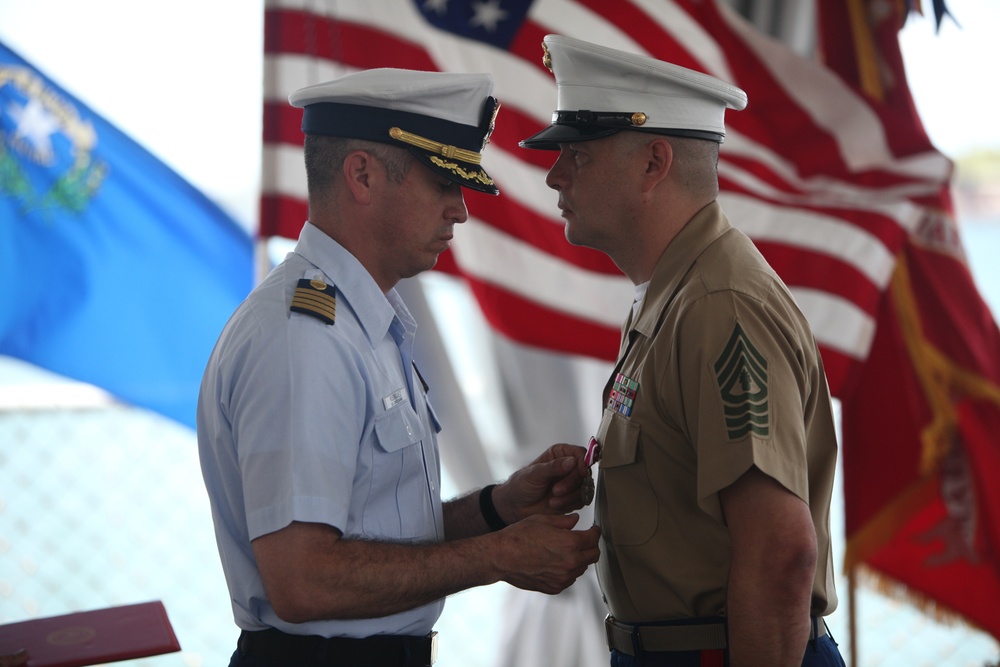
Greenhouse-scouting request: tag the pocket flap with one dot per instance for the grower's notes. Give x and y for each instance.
(619, 438)
(397, 428)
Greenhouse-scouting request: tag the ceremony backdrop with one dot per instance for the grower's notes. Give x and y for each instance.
(102, 505)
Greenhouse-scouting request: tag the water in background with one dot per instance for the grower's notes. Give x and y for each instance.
(981, 237)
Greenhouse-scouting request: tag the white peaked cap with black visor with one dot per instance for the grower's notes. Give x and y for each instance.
(601, 91)
(444, 119)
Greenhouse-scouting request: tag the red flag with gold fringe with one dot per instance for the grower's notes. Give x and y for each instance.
(920, 445)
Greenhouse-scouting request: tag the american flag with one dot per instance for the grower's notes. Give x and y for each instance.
(846, 198)
(807, 170)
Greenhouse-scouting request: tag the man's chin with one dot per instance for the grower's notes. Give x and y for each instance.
(431, 263)
(573, 238)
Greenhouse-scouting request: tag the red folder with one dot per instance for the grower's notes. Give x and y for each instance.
(92, 637)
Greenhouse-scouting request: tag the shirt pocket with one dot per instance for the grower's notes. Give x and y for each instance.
(630, 511)
(397, 428)
(399, 500)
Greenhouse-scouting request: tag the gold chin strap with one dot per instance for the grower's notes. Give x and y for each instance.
(446, 150)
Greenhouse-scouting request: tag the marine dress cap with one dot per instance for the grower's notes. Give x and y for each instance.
(601, 91)
(444, 119)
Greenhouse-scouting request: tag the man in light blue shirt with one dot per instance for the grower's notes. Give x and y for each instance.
(317, 441)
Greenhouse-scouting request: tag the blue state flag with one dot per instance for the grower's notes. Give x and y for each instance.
(114, 270)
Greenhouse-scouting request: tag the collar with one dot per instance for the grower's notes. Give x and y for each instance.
(701, 231)
(376, 312)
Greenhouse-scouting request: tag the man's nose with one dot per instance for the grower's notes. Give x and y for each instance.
(554, 178)
(459, 212)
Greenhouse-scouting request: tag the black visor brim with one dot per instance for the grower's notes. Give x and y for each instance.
(550, 138)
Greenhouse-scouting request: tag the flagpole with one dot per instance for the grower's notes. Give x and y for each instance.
(262, 265)
(852, 615)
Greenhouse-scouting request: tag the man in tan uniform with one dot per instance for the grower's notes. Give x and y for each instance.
(717, 446)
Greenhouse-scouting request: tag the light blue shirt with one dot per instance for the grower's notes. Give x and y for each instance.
(300, 420)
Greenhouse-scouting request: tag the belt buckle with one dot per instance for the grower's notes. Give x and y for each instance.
(609, 628)
(433, 636)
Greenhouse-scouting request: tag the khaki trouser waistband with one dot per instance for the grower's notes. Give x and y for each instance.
(633, 638)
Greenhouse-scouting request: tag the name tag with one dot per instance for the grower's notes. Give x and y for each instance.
(394, 399)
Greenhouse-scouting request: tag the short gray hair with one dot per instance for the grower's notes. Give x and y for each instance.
(324, 156)
(696, 161)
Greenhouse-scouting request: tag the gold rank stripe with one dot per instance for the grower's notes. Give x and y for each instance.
(320, 305)
(309, 300)
(446, 150)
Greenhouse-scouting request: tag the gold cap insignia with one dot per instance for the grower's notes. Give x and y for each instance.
(546, 57)
(493, 120)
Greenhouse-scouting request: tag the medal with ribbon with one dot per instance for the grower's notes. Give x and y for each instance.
(592, 457)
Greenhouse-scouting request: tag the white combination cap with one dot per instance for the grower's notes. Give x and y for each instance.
(601, 91)
(444, 119)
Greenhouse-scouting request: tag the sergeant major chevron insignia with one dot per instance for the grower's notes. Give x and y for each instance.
(741, 371)
(314, 297)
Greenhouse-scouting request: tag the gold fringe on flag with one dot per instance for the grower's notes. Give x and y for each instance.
(873, 580)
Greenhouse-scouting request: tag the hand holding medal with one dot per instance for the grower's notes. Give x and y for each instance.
(554, 483)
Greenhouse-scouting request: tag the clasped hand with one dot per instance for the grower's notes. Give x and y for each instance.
(545, 553)
(551, 484)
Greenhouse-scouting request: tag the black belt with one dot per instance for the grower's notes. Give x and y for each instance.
(376, 651)
(685, 635)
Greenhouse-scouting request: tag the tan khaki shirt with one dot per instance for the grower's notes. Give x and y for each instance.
(718, 372)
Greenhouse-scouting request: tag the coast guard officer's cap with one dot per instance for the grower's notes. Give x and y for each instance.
(601, 91)
(444, 119)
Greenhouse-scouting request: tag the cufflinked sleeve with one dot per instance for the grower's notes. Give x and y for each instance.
(744, 382)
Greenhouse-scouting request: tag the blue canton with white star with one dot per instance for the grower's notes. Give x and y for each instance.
(495, 22)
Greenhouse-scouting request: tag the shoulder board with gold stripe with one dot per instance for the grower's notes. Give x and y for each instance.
(316, 298)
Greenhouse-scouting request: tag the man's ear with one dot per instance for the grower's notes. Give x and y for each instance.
(659, 158)
(357, 174)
